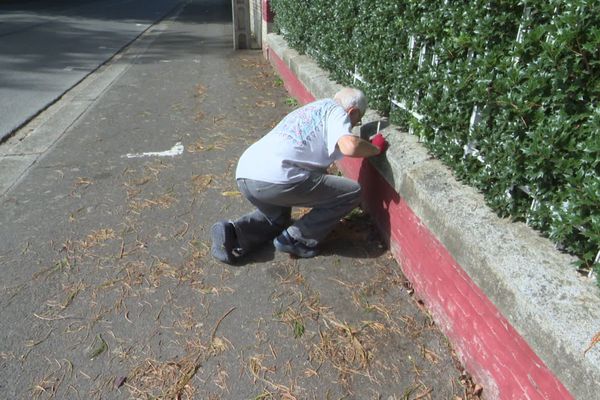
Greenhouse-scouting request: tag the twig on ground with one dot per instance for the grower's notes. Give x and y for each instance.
(214, 331)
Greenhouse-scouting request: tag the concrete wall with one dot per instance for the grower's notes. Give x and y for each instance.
(242, 36)
(514, 308)
(256, 26)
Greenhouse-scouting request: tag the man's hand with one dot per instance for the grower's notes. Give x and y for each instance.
(379, 141)
(353, 146)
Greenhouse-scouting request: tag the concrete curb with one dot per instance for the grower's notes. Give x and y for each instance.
(517, 313)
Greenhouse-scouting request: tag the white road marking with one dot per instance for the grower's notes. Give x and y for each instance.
(176, 150)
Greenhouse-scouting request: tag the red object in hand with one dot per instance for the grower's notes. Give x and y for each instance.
(380, 142)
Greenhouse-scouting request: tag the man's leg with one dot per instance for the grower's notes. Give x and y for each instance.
(269, 218)
(232, 239)
(330, 197)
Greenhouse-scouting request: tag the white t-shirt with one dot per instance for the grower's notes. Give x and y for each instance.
(304, 141)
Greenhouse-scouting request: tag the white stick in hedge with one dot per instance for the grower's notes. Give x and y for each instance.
(402, 105)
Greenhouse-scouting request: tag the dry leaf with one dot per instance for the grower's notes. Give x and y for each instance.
(83, 182)
(200, 90)
(201, 182)
(231, 194)
(196, 147)
(265, 103)
(97, 237)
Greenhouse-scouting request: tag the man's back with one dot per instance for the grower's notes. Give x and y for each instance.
(305, 140)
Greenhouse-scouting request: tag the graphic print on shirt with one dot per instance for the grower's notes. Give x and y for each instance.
(303, 125)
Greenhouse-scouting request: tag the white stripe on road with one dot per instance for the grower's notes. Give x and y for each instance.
(176, 150)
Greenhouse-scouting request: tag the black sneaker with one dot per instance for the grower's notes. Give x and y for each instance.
(224, 242)
(288, 244)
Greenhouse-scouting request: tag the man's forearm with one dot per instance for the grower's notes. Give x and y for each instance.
(353, 146)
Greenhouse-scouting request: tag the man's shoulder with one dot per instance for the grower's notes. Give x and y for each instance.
(324, 103)
(327, 108)
(320, 103)
(318, 108)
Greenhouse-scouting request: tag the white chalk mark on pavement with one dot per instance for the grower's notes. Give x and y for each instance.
(176, 150)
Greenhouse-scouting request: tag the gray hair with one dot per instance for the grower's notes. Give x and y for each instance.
(350, 97)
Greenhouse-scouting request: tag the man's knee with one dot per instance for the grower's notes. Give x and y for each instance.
(349, 192)
(280, 219)
(354, 195)
(283, 221)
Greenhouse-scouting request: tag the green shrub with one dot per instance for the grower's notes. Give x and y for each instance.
(505, 93)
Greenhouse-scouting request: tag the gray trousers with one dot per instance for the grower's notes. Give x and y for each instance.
(330, 197)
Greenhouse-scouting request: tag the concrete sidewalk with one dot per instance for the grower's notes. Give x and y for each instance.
(108, 289)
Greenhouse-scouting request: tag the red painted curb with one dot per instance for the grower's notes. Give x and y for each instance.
(290, 82)
(491, 349)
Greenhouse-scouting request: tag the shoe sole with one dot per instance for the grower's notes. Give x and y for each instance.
(218, 233)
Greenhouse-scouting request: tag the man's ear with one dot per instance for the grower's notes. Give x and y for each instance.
(354, 114)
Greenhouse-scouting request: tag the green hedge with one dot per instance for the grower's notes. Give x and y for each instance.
(505, 93)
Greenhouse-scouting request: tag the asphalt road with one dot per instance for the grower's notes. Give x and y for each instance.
(46, 47)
